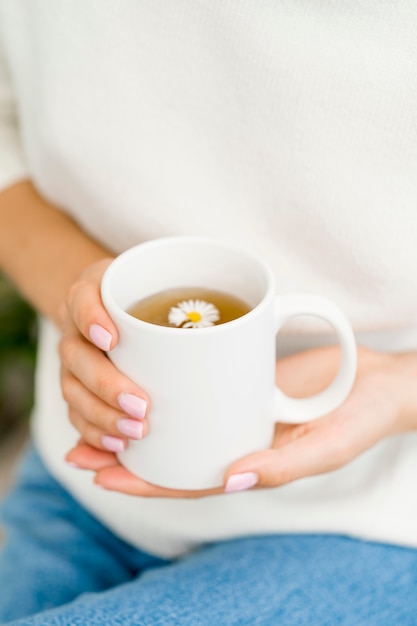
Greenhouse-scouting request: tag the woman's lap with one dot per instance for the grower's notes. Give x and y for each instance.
(57, 555)
(54, 549)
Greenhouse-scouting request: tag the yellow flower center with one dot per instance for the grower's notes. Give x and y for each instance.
(194, 316)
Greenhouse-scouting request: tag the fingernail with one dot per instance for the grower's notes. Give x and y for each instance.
(240, 482)
(133, 405)
(114, 444)
(130, 428)
(100, 337)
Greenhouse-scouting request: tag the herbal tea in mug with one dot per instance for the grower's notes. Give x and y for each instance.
(189, 307)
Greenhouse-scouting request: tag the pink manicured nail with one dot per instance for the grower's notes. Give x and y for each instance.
(114, 444)
(130, 428)
(100, 337)
(133, 405)
(240, 482)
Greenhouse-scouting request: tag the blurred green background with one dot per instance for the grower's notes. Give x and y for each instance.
(17, 357)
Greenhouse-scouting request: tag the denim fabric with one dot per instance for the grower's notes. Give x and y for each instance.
(62, 567)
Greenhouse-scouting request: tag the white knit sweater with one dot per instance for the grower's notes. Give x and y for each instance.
(289, 127)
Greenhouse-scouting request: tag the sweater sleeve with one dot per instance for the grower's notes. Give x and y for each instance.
(12, 161)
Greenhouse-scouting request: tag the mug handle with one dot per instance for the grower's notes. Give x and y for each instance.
(298, 411)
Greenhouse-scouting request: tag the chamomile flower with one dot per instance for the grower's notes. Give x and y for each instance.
(193, 314)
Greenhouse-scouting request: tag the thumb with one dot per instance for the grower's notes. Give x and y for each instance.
(307, 456)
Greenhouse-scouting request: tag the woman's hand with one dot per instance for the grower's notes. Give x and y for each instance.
(105, 406)
(382, 403)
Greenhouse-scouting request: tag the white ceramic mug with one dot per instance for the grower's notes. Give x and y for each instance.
(212, 390)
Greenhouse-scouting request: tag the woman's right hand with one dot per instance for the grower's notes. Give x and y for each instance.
(105, 406)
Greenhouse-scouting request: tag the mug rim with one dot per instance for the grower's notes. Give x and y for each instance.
(111, 305)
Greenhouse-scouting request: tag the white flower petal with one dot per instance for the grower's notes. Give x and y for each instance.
(179, 315)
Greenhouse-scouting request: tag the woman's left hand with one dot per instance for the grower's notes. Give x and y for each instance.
(382, 403)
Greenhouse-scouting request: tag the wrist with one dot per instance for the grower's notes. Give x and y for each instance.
(404, 373)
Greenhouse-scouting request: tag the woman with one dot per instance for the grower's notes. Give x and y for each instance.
(287, 127)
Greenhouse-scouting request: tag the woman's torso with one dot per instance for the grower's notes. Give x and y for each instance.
(288, 127)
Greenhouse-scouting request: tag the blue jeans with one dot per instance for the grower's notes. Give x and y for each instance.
(60, 566)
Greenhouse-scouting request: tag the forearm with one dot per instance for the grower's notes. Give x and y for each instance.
(42, 250)
(404, 373)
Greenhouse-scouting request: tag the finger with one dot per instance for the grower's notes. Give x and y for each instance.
(96, 372)
(89, 458)
(112, 476)
(95, 412)
(117, 478)
(86, 308)
(97, 437)
(304, 374)
(308, 455)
